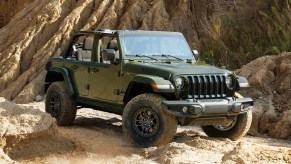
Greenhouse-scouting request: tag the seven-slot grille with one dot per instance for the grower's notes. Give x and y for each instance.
(207, 86)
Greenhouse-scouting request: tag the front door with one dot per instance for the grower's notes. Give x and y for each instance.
(103, 81)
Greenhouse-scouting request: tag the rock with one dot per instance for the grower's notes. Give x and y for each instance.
(18, 120)
(245, 153)
(282, 127)
(38, 98)
(269, 78)
(9, 8)
(257, 114)
(4, 158)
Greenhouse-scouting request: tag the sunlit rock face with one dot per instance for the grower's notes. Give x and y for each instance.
(8, 8)
(43, 28)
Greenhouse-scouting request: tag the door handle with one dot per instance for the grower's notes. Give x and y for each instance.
(93, 69)
(74, 66)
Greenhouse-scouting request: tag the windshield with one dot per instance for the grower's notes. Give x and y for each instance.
(157, 45)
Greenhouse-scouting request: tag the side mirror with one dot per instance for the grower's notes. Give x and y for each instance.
(110, 55)
(196, 54)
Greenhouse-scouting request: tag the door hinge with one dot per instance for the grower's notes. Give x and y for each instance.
(116, 91)
(120, 73)
(87, 86)
(119, 92)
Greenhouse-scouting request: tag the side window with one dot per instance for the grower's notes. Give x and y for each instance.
(109, 44)
(82, 48)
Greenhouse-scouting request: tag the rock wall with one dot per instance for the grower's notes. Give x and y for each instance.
(8, 8)
(44, 27)
(270, 81)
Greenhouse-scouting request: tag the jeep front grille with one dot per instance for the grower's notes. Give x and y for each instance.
(207, 86)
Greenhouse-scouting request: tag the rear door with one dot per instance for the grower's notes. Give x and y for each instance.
(80, 74)
(79, 61)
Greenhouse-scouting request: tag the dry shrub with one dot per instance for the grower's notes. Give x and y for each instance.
(241, 31)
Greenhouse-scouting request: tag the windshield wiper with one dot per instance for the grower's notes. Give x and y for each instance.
(137, 55)
(163, 55)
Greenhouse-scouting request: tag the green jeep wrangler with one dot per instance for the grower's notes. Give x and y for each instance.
(152, 79)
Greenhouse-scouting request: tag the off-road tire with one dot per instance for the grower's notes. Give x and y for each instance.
(240, 129)
(167, 123)
(60, 104)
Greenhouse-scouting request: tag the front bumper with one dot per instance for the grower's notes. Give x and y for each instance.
(208, 107)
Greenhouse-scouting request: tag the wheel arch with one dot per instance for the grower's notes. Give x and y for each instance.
(242, 82)
(147, 84)
(60, 74)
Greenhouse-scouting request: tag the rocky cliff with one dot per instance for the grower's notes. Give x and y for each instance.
(270, 81)
(8, 8)
(44, 27)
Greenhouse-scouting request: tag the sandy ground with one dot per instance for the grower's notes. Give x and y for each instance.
(96, 137)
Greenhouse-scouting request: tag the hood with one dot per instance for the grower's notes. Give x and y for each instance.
(170, 70)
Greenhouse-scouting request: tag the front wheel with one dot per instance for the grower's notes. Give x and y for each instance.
(60, 104)
(234, 131)
(145, 122)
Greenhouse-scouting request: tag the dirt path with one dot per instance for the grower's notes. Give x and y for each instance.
(96, 137)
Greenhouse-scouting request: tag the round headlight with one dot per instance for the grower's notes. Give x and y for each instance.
(179, 82)
(229, 81)
(181, 85)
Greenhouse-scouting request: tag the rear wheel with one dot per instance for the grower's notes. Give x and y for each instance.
(234, 131)
(146, 124)
(60, 104)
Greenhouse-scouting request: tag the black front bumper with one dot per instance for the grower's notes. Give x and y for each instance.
(208, 107)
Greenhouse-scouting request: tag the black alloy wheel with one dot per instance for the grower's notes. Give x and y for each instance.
(55, 104)
(146, 122)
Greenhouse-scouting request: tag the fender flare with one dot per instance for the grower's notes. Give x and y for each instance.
(67, 78)
(158, 84)
(243, 82)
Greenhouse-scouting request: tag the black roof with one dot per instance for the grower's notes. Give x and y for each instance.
(109, 31)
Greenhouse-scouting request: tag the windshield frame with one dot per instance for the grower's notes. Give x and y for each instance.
(162, 57)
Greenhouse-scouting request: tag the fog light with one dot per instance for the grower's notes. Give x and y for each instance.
(185, 109)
